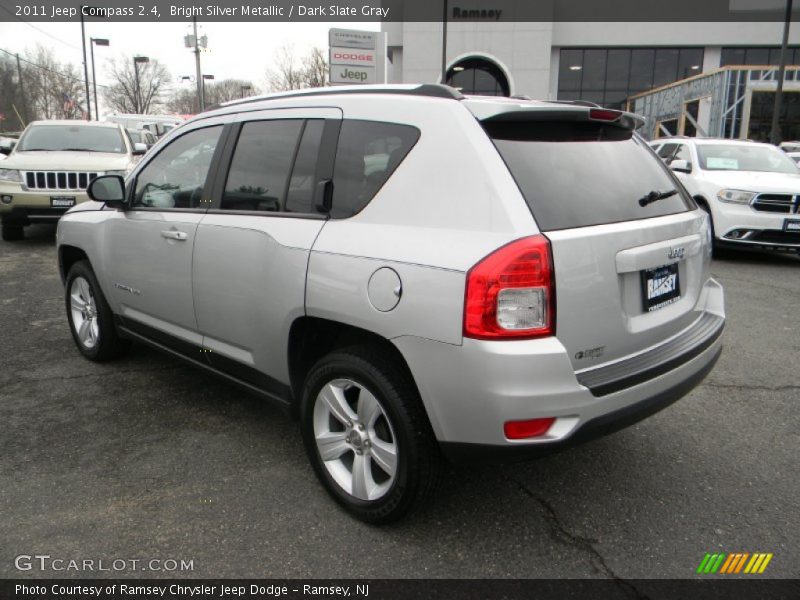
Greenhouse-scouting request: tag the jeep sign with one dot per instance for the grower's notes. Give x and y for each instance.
(350, 74)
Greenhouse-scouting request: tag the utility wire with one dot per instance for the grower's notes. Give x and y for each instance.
(29, 24)
(33, 64)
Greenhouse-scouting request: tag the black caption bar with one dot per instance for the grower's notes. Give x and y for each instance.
(470, 11)
(390, 589)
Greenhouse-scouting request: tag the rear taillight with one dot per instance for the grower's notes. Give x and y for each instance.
(511, 293)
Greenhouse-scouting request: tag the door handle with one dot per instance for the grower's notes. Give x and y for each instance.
(172, 234)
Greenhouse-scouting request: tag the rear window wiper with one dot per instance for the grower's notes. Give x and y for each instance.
(655, 196)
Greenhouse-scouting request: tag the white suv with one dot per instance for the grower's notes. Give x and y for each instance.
(751, 190)
(48, 170)
(411, 272)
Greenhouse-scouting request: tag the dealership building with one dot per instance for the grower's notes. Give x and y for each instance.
(606, 63)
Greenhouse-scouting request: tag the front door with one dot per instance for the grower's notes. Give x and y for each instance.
(148, 248)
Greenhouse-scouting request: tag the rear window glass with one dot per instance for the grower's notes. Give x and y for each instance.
(582, 174)
(367, 154)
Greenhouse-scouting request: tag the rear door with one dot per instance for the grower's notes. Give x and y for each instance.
(629, 268)
(252, 246)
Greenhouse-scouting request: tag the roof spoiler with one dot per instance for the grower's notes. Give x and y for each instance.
(572, 113)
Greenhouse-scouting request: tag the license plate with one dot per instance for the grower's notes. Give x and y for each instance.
(660, 287)
(62, 201)
(791, 225)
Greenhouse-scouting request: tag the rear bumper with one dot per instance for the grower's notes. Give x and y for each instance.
(470, 391)
(597, 427)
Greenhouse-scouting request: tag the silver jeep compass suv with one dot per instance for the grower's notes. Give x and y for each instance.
(414, 274)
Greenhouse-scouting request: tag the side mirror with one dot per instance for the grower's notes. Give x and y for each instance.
(681, 166)
(109, 189)
(7, 147)
(139, 149)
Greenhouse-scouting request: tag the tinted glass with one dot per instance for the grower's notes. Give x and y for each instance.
(176, 176)
(259, 172)
(368, 153)
(81, 138)
(300, 197)
(739, 157)
(667, 151)
(581, 174)
(758, 56)
(569, 71)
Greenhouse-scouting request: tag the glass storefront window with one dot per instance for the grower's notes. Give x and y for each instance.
(608, 76)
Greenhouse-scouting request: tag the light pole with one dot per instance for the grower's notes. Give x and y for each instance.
(203, 98)
(136, 92)
(92, 43)
(85, 69)
(245, 88)
(775, 130)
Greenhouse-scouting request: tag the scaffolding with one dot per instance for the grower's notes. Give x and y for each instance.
(723, 100)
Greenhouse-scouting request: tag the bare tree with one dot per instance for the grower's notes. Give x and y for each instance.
(136, 89)
(53, 90)
(287, 73)
(183, 102)
(315, 68)
(227, 90)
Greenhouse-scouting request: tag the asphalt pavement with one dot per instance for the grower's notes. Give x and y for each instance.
(145, 458)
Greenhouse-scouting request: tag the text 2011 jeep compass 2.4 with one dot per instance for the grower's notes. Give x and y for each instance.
(414, 274)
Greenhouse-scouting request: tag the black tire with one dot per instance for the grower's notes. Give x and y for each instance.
(13, 233)
(107, 344)
(418, 458)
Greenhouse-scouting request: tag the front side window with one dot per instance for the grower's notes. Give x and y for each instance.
(741, 157)
(176, 176)
(78, 138)
(367, 155)
(261, 165)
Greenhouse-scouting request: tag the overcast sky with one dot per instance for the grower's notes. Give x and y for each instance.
(235, 50)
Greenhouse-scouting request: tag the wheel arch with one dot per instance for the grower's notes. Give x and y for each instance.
(67, 256)
(311, 338)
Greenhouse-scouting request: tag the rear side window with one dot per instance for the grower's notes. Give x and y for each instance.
(367, 155)
(260, 168)
(300, 196)
(582, 174)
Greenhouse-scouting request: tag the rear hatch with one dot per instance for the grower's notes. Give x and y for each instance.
(629, 265)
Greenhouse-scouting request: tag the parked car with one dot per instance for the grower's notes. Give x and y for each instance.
(48, 170)
(141, 136)
(750, 189)
(158, 125)
(795, 156)
(412, 273)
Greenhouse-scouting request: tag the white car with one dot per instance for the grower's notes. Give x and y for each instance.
(48, 170)
(751, 190)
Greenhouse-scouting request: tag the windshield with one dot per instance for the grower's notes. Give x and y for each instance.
(740, 157)
(582, 174)
(84, 138)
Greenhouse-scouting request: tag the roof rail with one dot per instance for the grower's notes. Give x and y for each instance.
(431, 90)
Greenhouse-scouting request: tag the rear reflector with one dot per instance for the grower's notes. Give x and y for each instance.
(604, 114)
(521, 430)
